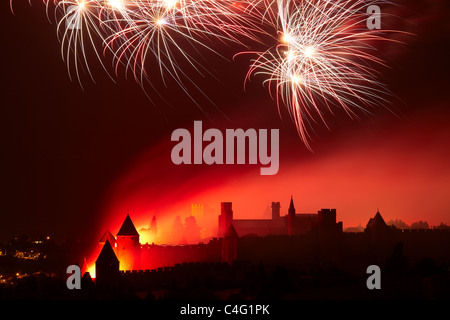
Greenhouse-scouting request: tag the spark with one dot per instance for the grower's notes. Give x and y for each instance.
(287, 38)
(160, 22)
(296, 79)
(116, 4)
(170, 4)
(309, 52)
(290, 56)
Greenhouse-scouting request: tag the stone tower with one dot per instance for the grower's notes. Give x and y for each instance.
(128, 246)
(107, 272)
(275, 210)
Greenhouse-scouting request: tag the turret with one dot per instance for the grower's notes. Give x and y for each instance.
(291, 218)
(107, 267)
(326, 222)
(127, 248)
(291, 209)
(275, 210)
(376, 224)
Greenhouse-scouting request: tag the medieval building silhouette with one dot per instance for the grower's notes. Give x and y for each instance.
(293, 240)
(291, 224)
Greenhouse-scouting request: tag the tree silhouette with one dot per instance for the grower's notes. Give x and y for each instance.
(399, 224)
(420, 225)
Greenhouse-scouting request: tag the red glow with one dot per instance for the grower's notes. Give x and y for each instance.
(403, 172)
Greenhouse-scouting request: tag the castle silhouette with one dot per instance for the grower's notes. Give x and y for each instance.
(291, 224)
(294, 240)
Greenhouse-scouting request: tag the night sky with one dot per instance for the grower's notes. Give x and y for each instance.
(76, 160)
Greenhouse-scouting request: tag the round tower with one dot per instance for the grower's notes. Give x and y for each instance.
(128, 246)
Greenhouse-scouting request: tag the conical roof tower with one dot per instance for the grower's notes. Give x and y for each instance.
(107, 255)
(107, 236)
(291, 209)
(128, 228)
(377, 221)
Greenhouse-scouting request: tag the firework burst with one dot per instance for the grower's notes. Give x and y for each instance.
(325, 58)
(80, 34)
(135, 30)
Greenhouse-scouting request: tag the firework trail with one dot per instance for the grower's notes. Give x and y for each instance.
(165, 31)
(134, 30)
(79, 32)
(324, 56)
